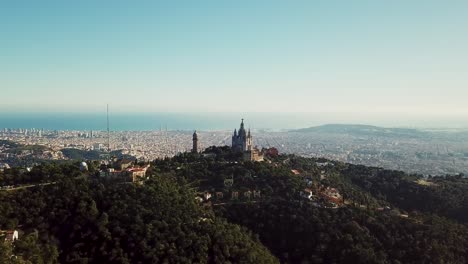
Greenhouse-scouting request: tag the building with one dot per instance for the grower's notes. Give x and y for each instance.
(307, 193)
(332, 195)
(242, 142)
(136, 175)
(10, 235)
(206, 196)
(123, 163)
(271, 152)
(253, 155)
(295, 172)
(132, 174)
(98, 146)
(195, 142)
(83, 166)
(229, 182)
(4, 166)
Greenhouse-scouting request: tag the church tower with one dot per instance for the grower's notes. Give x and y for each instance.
(241, 140)
(195, 142)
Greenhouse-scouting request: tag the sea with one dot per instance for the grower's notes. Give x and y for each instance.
(146, 121)
(207, 121)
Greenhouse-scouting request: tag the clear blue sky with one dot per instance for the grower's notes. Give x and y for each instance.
(373, 56)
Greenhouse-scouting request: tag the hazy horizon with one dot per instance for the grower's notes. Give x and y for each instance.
(394, 58)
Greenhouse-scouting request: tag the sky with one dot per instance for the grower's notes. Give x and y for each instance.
(399, 57)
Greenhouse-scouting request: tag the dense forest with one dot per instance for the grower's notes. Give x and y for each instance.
(386, 216)
(83, 221)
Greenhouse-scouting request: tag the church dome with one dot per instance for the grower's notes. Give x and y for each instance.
(83, 166)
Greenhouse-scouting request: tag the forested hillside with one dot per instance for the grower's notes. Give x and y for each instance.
(82, 221)
(214, 208)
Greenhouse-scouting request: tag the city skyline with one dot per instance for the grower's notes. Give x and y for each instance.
(397, 59)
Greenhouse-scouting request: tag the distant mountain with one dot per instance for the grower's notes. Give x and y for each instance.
(361, 130)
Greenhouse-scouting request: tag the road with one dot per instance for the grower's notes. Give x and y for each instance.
(28, 186)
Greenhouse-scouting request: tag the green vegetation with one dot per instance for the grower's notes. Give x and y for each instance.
(445, 196)
(19, 149)
(44, 173)
(90, 221)
(78, 154)
(387, 216)
(299, 233)
(8, 143)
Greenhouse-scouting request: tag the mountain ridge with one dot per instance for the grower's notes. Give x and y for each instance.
(362, 129)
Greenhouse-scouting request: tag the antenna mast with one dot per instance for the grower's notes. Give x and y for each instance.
(108, 131)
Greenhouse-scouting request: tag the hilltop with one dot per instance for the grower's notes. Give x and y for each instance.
(214, 208)
(356, 129)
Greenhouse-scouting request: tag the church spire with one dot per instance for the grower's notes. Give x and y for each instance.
(242, 132)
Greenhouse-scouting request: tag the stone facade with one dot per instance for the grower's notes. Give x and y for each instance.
(241, 140)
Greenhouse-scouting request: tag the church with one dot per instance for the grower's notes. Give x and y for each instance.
(242, 142)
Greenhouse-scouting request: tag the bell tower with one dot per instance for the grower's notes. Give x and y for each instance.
(195, 142)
